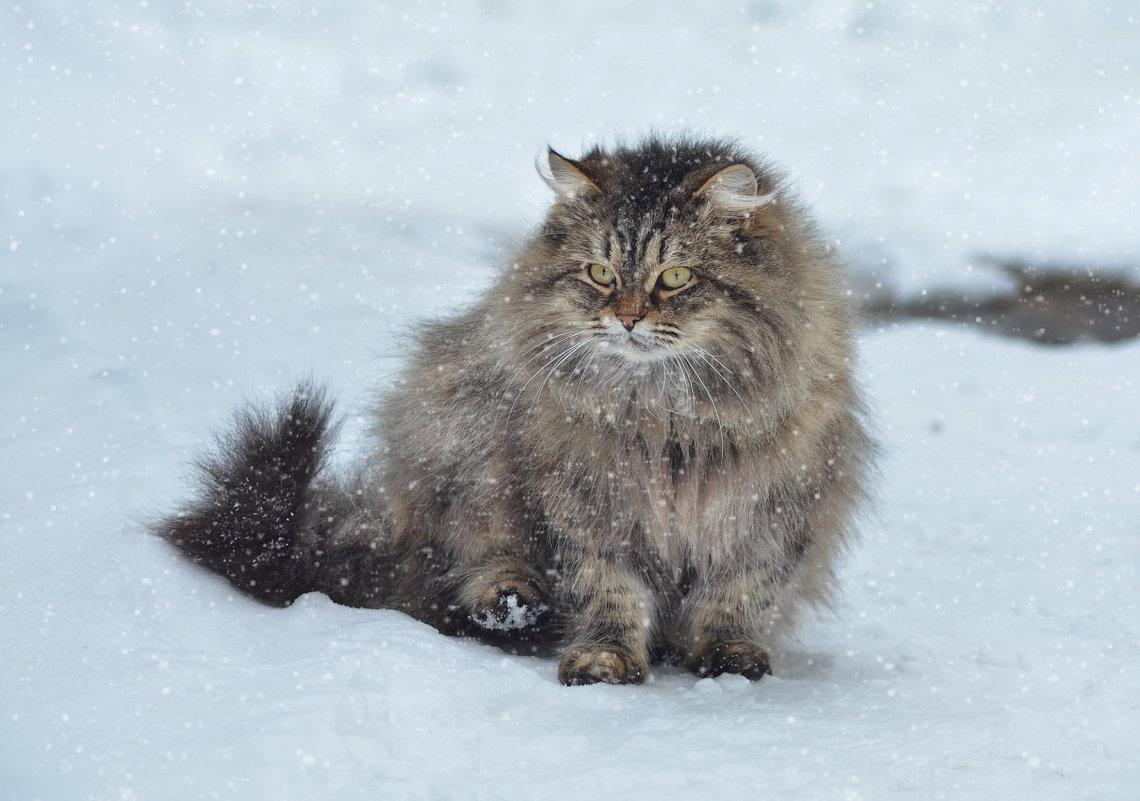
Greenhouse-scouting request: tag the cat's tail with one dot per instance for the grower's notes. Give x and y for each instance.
(269, 518)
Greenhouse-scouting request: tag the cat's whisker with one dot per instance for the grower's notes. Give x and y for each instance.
(712, 401)
(566, 355)
(719, 368)
(522, 390)
(721, 435)
(547, 351)
(544, 348)
(690, 392)
(553, 364)
(709, 358)
(716, 359)
(549, 342)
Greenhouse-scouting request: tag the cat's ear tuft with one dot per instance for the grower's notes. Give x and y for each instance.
(566, 177)
(734, 190)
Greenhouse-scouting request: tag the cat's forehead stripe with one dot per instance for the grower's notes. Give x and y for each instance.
(635, 240)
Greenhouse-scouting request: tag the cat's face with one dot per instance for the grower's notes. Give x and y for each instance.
(642, 290)
(643, 264)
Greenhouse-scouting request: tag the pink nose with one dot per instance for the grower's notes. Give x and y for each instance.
(629, 319)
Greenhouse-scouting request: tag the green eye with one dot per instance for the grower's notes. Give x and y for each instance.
(602, 274)
(676, 277)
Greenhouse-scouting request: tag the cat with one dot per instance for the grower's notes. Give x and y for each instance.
(644, 440)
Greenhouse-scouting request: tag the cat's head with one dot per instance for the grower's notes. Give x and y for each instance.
(668, 252)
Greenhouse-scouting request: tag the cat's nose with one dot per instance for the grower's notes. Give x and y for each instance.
(628, 320)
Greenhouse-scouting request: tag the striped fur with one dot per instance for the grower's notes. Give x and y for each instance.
(644, 439)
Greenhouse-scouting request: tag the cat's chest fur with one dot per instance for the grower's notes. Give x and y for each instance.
(638, 479)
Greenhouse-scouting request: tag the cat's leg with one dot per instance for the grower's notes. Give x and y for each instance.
(729, 618)
(493, 574)
(504, 592)
(611, 615)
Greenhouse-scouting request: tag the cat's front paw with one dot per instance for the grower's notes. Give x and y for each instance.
(734, 656)
(593, 664)
(511, 601)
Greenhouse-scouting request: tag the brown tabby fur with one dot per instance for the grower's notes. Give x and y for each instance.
(642, 469)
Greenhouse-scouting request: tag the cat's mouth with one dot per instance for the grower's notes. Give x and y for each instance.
(636, 345)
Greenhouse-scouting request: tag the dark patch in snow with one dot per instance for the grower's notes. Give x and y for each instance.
(1051, 304)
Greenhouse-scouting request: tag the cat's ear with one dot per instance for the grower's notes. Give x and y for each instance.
(566, 177)
(734, 191)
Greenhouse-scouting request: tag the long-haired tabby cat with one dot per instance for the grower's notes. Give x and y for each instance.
(644, 439)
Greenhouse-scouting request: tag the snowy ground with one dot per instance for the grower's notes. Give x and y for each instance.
(201, 202)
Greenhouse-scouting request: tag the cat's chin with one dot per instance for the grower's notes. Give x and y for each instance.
(634, 351)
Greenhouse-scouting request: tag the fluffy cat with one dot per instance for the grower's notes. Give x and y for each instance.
(644, 440)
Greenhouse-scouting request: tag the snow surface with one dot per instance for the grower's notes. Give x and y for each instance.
(201, 202)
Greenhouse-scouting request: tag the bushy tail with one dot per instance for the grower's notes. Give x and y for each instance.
(268, 518)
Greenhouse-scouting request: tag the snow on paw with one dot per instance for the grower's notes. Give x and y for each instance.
(734, 656)
(511, 603)
(601, 664)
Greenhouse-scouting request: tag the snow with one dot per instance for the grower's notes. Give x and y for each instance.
(202, 202)
(512, 615)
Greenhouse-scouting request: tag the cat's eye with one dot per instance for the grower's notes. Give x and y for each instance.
(676, 277)
(602, 274)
